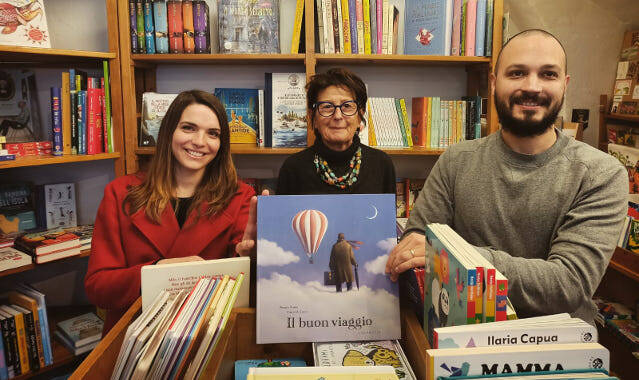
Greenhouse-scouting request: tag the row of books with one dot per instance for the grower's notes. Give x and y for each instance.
(175, 336)
(438, 123)
(184, 26)
(25, 345)
(407, 190)
(621, 321)
(80, 334)
(81, 114)
(625, 91)
(388, 123)
(5, 154)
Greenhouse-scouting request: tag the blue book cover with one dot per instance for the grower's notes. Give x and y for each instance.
(242, 366)
(161, 27)
(56, 121)
(480, 29)
(135, 49)
(82, 122)
(242, 111)
(424, 27)
(287, 109)
(149, 31)
(319, 250)
(352, 16)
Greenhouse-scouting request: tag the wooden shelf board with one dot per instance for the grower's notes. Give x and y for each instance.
(30, 54)
(250, 149)
(626, 262)
(247, 59)
(387, 59)
(24, 268)
(612, 116)
(52, 160)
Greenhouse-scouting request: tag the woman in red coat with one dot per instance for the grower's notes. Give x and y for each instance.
(188, 206)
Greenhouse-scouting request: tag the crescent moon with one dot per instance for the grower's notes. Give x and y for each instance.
(374, 216)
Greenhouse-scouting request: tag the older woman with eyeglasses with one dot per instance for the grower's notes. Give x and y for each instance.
(337, 162)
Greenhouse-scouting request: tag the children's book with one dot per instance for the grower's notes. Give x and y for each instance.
(320, 268)
(377, 353)
(428, 27)
(242, 366)
(242, 111)
(24, 23)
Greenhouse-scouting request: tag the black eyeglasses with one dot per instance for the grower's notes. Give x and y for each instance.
(327, 109)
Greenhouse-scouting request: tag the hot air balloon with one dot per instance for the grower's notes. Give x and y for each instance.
(310, 227)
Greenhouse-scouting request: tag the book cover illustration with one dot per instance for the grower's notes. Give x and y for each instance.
(242, 110)
(83, 329)
(47, 241)
(249, 26)
(375, 353)
(288, 110)
(154, 107)
(424, 27)
(24, 23)
(629, 158)
(59, 205)
(242, 366)
(320, 270)
(19, 107)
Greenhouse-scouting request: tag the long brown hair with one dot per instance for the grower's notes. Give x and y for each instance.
(219, 181)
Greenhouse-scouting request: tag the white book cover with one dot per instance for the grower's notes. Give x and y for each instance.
(288, 110)
(24, 23)
(516, 359)
(374, 353)
(629, 158)
(178, 276)
(59, 205)
(11, 258)
(154, 107)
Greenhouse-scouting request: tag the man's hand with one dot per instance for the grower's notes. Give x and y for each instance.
(409, 253)
(247, 246)
(179, 260)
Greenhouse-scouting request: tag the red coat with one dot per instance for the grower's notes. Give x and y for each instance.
(122, 244)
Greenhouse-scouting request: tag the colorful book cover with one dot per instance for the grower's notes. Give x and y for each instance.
(425, 29)
(346, 27)
(249, 26)
(58, 205)
(374, 353)
(297, 27)
(242, 110)
(149, 30)
(629, 158)
(56, 120)
(242, 366)
(471, 20)
(154, 106)
(83, 329)
(352, 16)
(161, 27)
(174, 18)
(288, 109)
(310, 254)
(201, 27)
(133, 26)
(24, 23)
(187, 23)
(139, 21)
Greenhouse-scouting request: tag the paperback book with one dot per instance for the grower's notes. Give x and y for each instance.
(242, 111)
(285, 107)
(249, 26)
(242, 366)
(154, 107)
(81, 330)
(310, 254)
(24, 23)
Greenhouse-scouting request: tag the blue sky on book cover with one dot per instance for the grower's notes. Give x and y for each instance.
(293, 262)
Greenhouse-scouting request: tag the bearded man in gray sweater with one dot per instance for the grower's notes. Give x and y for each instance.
(546, 209)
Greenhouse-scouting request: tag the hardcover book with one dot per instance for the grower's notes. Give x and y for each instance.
(24, 23)
(57, 206)
(82, 330)
(242, 110)
(154, 107)
(287, 97)
(249, 26)
(242, 366)
(376, 353)
(311, 253)
(11, 258)
(426, 25)
(45, 242)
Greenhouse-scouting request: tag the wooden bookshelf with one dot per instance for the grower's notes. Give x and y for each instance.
(54, 160)
(24, 268)
(19, 54)
(399, 60)
(617, 117)
(625, 262)
(242, 59)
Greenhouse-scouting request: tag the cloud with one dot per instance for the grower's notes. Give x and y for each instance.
(281, 300)
(377, 266)
(271, 254)
(387, 245)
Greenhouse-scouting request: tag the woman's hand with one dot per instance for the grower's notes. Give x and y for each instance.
(179, 260)
(247, 246)
(409, 253)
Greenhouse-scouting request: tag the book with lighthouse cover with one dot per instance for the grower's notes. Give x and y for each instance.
(320, 268)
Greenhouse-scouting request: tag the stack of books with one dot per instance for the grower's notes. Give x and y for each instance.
(11, 258)
(49, 245)
(84, 233)
(4, 152)
(80, 334)
(25, 341)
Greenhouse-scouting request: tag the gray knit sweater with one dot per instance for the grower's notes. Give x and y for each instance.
(551, 220)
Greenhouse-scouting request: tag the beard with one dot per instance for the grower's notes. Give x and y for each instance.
(526, 127)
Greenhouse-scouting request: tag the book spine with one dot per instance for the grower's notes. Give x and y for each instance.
(480, 28)
(456, 34)
(385, 15)
(65, 103)
(74, 122)
(91, 121)
(107, 108)
(139, 18)
(320, 26)
(501, 299)
(373, 25)
(200, 25)
(261, 137)
(268, 110)
(56, 121)
(471, 20)
(352, 15)
(479, 296)
(15, 346)
(297, 27)
(149, 31)
(346, 28)
(379, 9)
(340, 26)
(187, 24)
(462, 34)
(327, 14)
(176, 39)
(366, 7)
(489, 296)
(161, 27)
(418, 119)
(490, 9)
(400, 119)
(44, 334)
(32, 342)
(470, 296)
(133, 27)
(336, 23)
(104, 133)
(82, 122)
(22, 343)
(8, 349)
(407, 126)
(360, 26)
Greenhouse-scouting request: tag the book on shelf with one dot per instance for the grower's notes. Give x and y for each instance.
(428, 27)
(160, 27)
(19, 337)
(308, 249)
(516, 359)
(39, 298)
(25, 24)
(84, 233)
(56, 205)
(242, 366)
(154, 107)
(243, 112)
(629, 158)
(81, 330)
(249, 27)
(372, 353)
(626, 90)
(11, 258)
(285, 110)
(35, 332)
(75, 350)
(540, 375)
(178, 276)
(627, 330)
(49, 245)
(31, 351)
(329, 373)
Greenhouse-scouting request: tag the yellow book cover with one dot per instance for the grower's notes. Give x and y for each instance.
(21, 336)
(366, 5)
(66, 113)
(459, 119)
(429, 108)
(346, 27)
(451, 122)
(30, 304)
(372, 140)
(297, 27)
(409, 138)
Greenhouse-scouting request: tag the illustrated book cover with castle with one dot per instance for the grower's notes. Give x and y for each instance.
(320, 268)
